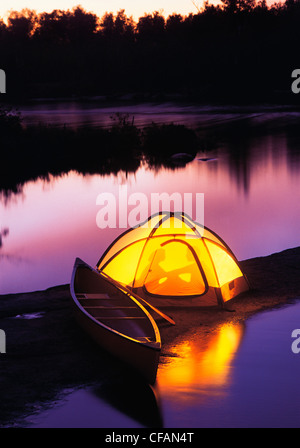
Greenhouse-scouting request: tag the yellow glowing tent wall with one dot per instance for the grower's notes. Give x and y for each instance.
(175, 261)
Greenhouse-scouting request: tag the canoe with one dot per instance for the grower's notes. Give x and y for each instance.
(115, 319)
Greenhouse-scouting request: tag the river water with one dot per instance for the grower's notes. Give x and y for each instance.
(249, 190)
(244, 375)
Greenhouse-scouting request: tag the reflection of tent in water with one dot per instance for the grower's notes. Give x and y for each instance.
(200, 364)
(174, 260)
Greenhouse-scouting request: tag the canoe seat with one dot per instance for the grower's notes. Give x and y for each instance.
(92, 296)
(101, 307)
(119, 317)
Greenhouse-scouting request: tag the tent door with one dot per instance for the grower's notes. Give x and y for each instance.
(175, 270)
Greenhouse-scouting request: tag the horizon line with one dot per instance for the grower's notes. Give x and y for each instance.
(5, 15)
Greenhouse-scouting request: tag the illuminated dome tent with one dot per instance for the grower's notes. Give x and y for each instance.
(172, 261)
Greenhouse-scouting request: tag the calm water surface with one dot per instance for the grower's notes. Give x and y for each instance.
(241, 376)
(251, 193)
(96, 113)
(250, 377)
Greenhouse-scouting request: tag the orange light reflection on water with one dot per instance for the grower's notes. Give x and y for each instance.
(200, 365)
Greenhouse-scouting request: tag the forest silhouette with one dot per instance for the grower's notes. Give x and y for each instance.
(240, 50)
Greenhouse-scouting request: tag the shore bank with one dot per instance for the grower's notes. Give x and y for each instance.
(46, 352)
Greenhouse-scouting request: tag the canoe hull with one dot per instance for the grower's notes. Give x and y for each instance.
(141, 356)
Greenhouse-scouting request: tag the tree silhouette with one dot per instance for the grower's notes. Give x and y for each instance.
(52, 27)
(239, 49)
(22, 24)
(117, 26)
(234, 6)
(151, 26)
(66, 26)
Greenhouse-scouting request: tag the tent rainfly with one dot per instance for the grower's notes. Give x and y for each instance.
(172, 261)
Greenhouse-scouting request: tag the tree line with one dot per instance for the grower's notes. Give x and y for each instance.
(238, 50)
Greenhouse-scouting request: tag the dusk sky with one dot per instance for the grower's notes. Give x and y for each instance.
(136, 8)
